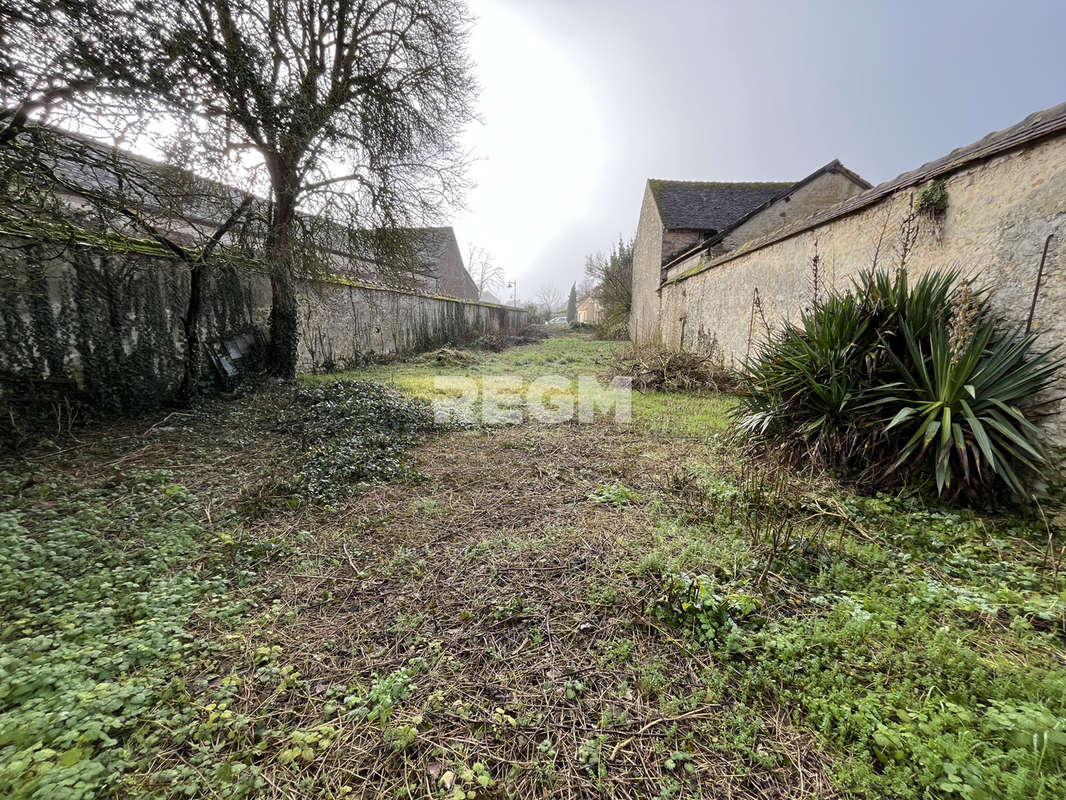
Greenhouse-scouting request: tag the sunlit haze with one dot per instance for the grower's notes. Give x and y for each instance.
(582, 101)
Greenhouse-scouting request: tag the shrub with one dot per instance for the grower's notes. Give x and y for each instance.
(613, 330)
(355, 432)
(655, 368)
(933, 199)
(890, 381)
(961, 401)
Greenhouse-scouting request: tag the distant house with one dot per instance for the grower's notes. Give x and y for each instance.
(489, 297)
(680, 217)
(589, 311)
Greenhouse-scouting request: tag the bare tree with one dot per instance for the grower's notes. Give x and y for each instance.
(486, 273)
(98, 65)
(586, 287)
(613, 278)
(60, 58)
(551, 298)
(350, 107)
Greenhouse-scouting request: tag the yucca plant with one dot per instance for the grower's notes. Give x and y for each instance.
(961, 405)
(890, 381)
(891, 299)
(811, 382)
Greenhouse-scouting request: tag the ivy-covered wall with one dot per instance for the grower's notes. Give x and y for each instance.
(102, 326)
(105, 328)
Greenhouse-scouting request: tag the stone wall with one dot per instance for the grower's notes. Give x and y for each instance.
(647, 266)
(999, 213)
(345, 322)
(656, 246)
(106, 328)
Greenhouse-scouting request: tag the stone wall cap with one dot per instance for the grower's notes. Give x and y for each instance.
(1038, 125)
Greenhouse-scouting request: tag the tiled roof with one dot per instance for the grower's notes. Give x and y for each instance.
(709, 206)
(832, 166)
(1034, 127)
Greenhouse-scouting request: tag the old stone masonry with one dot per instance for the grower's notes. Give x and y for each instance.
(710, 257)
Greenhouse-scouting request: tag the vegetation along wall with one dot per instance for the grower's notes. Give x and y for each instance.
(106, 327)
(344, 321)
(998, 214)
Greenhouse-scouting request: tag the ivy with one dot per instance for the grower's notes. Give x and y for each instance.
(358, 432)
(100, 327)
(97, 588)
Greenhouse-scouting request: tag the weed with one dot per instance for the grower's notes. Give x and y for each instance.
(94, 627)
(616, 495)
(717, 619)
(464, 638)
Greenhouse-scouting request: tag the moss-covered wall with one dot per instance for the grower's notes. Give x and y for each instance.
(102, 326)
(81, 322)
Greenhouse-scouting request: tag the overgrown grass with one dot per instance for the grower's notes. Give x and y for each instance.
(549, 610)
(569, 357)
(923, 645)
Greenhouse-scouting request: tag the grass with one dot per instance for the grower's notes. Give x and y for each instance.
(568, 357)
(527, 611)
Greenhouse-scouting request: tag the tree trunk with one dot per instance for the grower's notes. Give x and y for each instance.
(197, 275)
(191, 323)
(284, 315)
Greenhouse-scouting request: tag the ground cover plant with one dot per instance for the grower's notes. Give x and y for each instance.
(527, 611)
(892, 381)
(351, 432)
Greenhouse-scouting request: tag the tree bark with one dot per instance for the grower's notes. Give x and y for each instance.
(191, 325)
(284, 314)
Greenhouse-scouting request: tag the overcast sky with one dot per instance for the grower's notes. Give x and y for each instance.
(584, 100)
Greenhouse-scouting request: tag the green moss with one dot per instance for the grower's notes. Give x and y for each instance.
(933, 198)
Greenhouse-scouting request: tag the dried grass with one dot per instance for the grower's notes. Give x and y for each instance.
(658, 368)
(511, 584)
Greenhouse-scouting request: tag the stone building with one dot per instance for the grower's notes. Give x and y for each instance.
(1005, 203)
(589, 310)
(681, 217)
(444, 271)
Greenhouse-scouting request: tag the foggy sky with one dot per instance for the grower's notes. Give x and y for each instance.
(584, 100)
